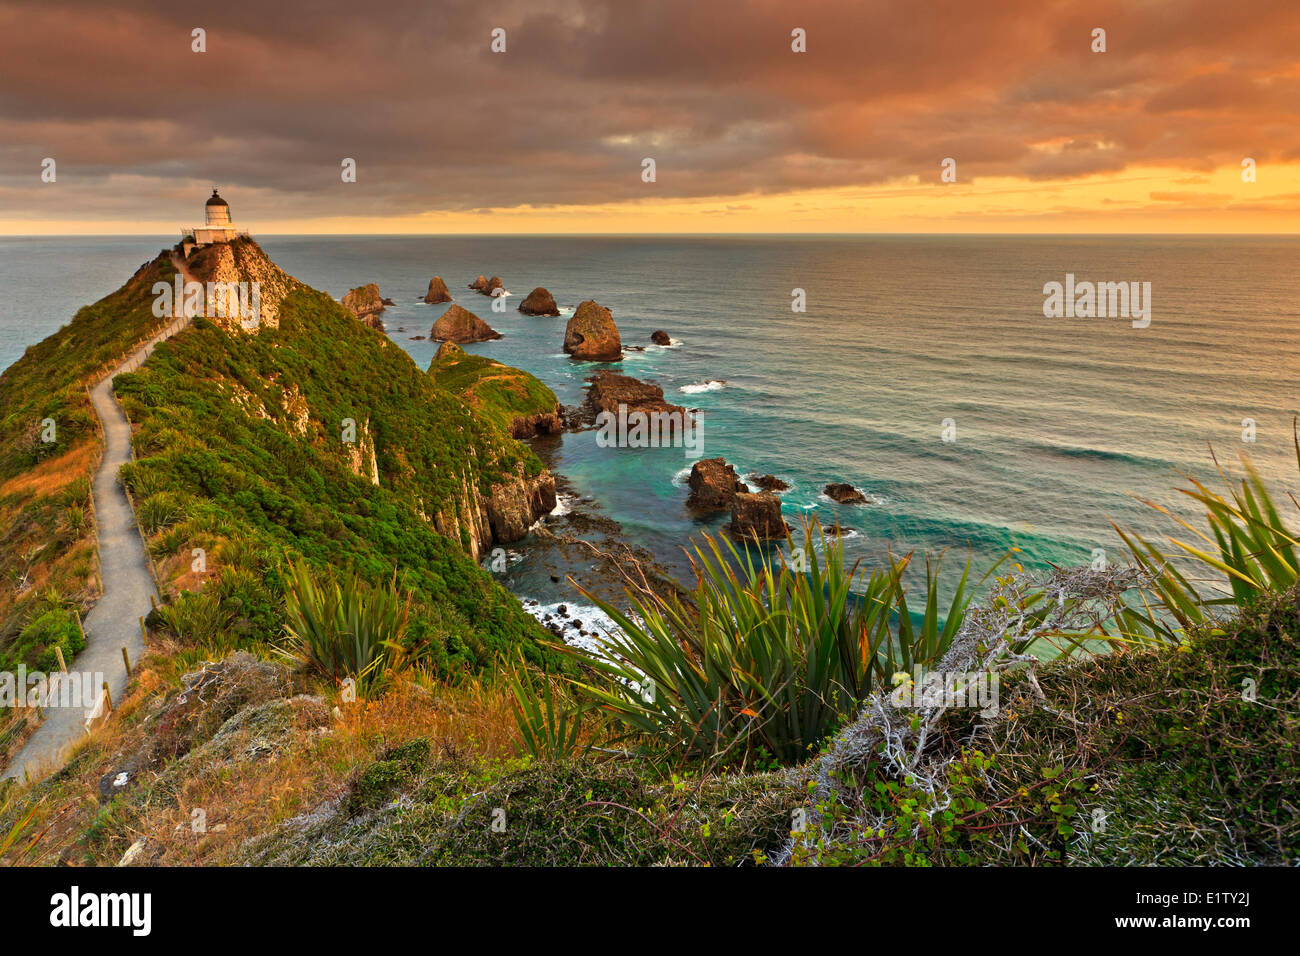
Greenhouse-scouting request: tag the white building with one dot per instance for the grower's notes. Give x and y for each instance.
(217, 226)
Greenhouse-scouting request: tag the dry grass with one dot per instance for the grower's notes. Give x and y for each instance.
(54, 474)
(243, 798)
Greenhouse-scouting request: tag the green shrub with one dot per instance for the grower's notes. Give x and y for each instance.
(766, 660)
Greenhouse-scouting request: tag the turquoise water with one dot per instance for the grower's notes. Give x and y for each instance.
(1059, 422)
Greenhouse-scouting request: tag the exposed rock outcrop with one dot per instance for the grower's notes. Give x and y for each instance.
(660, 337)
(539, 302)
(714, 485)
(449, 350)
(845, 494)
(366, 304)
(479, 284)
(503, 517)
(608, 390)
(437, 291)
(757, 516)
(242, 260)
(768, 482)
(492, 286)
(461, 325)
(591, 334)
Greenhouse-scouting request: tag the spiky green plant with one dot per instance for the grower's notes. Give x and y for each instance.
(1249, 551)
(548, 721)
(344, 628)
(769, 658)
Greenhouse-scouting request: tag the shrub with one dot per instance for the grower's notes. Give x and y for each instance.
(346, 629)
(766, 659)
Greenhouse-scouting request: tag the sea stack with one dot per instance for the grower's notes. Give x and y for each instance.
(479, 284)
(591, 334)
(437, 291)
(660, 337)
(539, 302)
(461, 325)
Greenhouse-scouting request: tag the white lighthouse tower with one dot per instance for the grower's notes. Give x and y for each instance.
(217, 226)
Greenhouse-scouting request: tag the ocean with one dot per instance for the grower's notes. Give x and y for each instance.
(1059, 425)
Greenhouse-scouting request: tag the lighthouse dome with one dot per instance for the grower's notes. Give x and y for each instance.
(217, 201)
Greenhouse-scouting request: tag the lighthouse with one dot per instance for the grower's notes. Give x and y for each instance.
(217, 226)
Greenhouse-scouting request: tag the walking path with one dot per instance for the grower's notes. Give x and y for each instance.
(114, 622)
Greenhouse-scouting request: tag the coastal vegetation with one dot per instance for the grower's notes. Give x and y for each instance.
(369, 694)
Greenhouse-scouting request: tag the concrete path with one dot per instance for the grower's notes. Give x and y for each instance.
(114, 622)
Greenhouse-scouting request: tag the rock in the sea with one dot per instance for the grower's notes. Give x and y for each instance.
(462, 325)
(366, 304)
(757, 516)
(479, 284)
(610, 390)
(492, 286)
(768, 482)
(714, 485)
(845, 494)
(660, 337)
(539, 302)
(437, 291)
(591, 334)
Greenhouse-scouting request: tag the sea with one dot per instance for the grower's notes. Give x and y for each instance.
(923, 371)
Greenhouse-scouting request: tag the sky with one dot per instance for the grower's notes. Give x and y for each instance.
(1046, 133)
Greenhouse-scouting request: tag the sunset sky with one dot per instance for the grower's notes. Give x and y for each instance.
(747, 135)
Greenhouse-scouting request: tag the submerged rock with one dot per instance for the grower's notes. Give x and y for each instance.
(768, 482)
(591, 334)
(845, 494)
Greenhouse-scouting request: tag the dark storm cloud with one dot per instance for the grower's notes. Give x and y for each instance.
(589, 87)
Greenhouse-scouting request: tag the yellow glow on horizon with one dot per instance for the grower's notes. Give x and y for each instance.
(1136, 200)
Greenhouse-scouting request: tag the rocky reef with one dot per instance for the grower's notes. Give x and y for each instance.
(845, 494)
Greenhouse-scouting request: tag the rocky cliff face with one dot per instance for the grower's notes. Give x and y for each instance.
(242, 260)
(502, 517)
(366, 304)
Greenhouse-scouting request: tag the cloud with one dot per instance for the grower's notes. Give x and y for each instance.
(588, 88)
